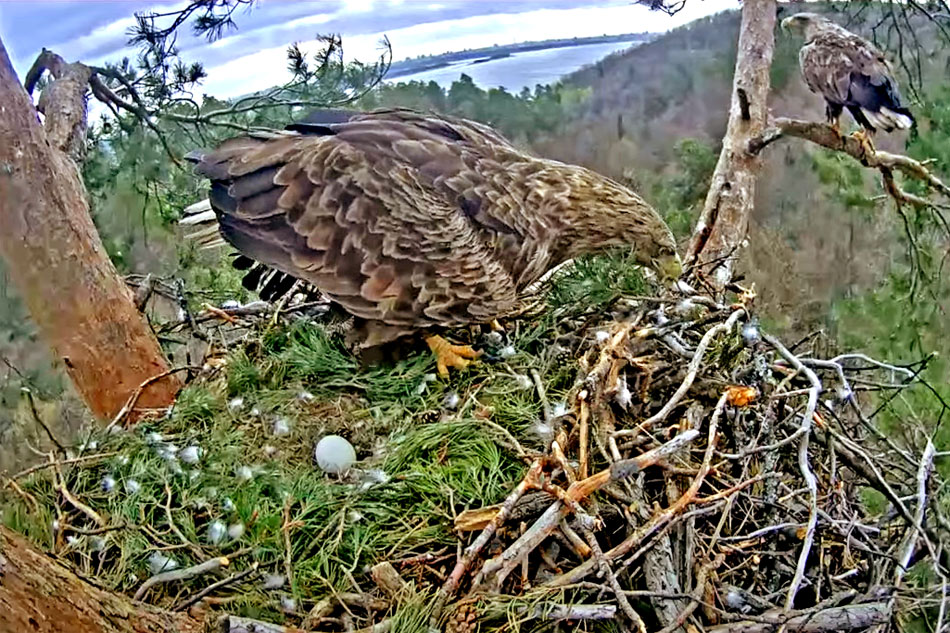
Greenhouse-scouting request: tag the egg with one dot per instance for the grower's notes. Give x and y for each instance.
(334, 454)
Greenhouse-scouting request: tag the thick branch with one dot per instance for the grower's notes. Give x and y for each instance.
(721, 229)
(849, 618)
(824, 135)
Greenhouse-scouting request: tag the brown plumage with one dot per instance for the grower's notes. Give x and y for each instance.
(849, 72)
(416, 221)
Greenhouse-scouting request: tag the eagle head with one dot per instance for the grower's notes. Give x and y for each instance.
(799, 23)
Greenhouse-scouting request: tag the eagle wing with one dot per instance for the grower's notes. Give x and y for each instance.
(381, 214)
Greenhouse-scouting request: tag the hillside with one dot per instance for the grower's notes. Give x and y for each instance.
(809, 248)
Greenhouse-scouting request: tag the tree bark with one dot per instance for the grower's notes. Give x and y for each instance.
(56, 260)
(721, 230)
(41, 595)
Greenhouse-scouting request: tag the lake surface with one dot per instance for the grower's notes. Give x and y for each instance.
(521, 69)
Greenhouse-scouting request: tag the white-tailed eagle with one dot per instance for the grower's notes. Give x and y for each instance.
(849, 72)
(417, 222)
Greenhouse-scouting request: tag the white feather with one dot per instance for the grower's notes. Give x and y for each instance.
(901, 121)
(199, 209)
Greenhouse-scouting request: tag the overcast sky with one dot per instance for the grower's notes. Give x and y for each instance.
(254, 56)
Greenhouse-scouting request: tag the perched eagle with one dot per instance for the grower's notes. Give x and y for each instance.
(417, 222)
(849, 72)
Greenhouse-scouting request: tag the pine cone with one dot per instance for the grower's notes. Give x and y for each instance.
(464, 620)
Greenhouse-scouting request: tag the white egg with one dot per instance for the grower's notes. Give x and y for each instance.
(132, 486)
(334, 454)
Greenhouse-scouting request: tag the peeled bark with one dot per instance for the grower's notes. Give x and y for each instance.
(39, 594)
(721, 230)
(55, 258)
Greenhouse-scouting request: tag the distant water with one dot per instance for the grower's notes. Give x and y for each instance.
(521, 69)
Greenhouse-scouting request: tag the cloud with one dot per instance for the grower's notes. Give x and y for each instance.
(254, 55)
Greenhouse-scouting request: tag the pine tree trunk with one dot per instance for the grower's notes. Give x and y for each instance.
(39, 594)
(77, 300)
(721, 230)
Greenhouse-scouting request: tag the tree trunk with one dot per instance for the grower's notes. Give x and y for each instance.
(41, 595)
(80, 305)
(721, 230)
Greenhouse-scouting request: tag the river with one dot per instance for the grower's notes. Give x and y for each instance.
(520, 69)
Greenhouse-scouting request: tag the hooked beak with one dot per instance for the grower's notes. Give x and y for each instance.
(668, 267)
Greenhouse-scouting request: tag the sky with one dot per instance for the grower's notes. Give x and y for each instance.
(253, 56)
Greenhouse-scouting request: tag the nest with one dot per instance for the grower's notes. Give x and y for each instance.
(708, 478)
(698, 476)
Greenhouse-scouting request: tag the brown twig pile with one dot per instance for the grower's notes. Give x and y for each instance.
(708, 478)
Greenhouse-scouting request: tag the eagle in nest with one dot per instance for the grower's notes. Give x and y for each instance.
(415, 222)
(849, 72)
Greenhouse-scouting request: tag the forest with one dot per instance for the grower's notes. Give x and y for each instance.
(762, 451)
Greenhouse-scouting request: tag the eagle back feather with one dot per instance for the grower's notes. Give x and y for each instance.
(413, 221)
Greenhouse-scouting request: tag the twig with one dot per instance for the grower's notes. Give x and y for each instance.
(10, 483)
(583, 440)
(847, 618)
(691, 372)
(73, 501)
(472, 551)
(224, 582)
(696, 595)
(130, 403)
(66, 462)
(542, 396)
(288, 548)
(181, 574)
(36, 417)
(612, 581)
(910, 541)
(810, 480)
(502, 564)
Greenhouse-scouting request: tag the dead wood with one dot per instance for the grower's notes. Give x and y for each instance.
(718, 236)
(55, 258)
(38, 593)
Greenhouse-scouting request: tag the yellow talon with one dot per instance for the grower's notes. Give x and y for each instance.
(449, 355)
(864, 137)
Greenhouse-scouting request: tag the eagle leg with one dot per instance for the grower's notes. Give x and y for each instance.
(833, 112)
(863, 136)
(449, 355)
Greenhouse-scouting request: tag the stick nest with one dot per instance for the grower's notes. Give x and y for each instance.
(696, 475)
